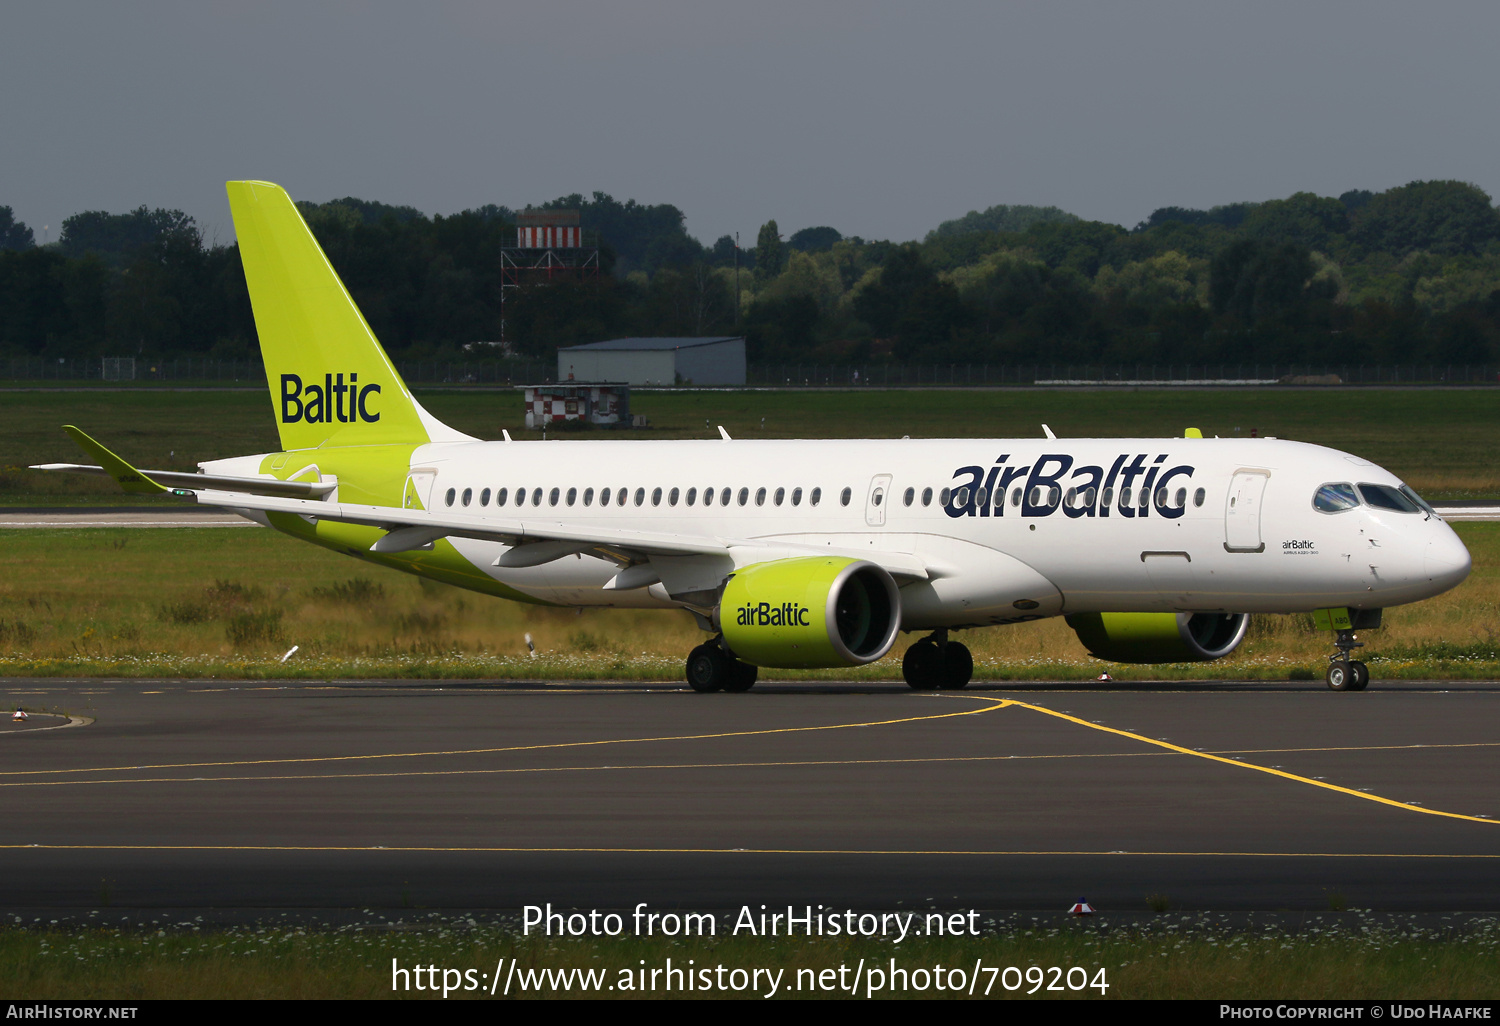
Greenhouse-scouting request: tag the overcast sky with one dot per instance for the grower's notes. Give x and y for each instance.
(880, 119)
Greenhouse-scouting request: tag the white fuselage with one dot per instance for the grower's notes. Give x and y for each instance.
(1228, 525)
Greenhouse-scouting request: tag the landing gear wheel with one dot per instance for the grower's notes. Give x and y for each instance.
(958, 666)
(1340, 676)
(922, 666)
(1361, 675)
(741, 676)
(708, 668)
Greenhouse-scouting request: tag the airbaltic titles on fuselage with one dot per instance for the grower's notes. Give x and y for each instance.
(1131, 487)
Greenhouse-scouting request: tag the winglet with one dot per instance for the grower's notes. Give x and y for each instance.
(1193, 433)
(724, 434)
(130, 479)
(1049, 432)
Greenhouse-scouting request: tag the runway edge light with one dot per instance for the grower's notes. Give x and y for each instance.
(1081, 908)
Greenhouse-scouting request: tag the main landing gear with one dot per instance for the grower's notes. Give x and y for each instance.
(935, 663)
(711, 668)
(1345, 674)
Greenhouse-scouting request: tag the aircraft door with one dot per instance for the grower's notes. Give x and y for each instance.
(418, 492)
(877, 500)
(1242, 511)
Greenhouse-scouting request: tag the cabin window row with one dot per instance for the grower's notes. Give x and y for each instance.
(1041, 495)
(656, 496)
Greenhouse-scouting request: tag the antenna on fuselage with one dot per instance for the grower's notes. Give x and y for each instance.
(1048, 432)
(505, 434)
(724, 434)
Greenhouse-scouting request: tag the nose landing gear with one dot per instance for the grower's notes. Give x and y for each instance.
(1345, 674)
(935, 663)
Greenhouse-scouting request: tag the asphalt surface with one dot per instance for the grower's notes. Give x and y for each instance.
(204, 795)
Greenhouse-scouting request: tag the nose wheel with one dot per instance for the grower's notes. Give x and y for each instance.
(1345, 674)
(935, 663)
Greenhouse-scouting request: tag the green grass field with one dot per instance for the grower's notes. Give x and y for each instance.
(197, 602)
(1344, 957)
(1442, 441)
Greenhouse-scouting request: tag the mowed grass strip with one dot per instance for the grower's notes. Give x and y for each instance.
(1441, 441)
(1182, 957)
(196, 602)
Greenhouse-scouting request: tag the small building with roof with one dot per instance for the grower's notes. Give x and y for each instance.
(713, 360)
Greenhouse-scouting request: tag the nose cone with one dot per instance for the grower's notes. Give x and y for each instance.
(1447, 562)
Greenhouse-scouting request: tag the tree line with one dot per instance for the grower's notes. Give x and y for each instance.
(1411, 273)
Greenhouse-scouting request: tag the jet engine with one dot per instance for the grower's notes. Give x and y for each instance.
(809, 612)
(1160, 637)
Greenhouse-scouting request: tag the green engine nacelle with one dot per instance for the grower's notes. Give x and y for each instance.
(1159, 637)
(807, 612)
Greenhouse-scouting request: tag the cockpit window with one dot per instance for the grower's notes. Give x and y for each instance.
(1414, 497)
(1385, 497)
(1335, 498)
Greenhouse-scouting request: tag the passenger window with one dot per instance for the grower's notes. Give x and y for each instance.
(588, 496)
(744, 496)
(877, 497)
(796, 496)
(1071, 499)
(961, 497)
(572, 496)
(552, 496)
(656, 496)
(451, 494)
(760, 496)
(640, 496)
(1199, 496)
(780, 496)
(536, 496)
(501, 496)
(909, 496)
(484, 497)
(1124, 497)
(724, 498)
(1107, 496)
(943, 497)
(604, 496)
(692, 496)
(927, 496)
(1385, 497)
(815, 497)
(520, 496)
(468, 496)
(1181, 502)
(672, 497)
(1335, 498)
(708, 496)
(845, 496)
(1089, 495)
(981, 498)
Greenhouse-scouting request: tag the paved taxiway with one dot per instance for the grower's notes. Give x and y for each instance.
(200, 795)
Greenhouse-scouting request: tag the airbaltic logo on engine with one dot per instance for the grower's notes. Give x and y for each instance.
(326, 403)
(788, 614)
(1131, 487)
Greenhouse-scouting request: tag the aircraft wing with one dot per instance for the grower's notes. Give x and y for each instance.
(533, 540)
(155, 482)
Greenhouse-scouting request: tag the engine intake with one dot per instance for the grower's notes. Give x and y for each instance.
(810, 612)
(1160, 637)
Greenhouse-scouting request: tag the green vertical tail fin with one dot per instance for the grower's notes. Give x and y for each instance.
(331, 382)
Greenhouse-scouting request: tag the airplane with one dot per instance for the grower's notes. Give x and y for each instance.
(807, 553)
